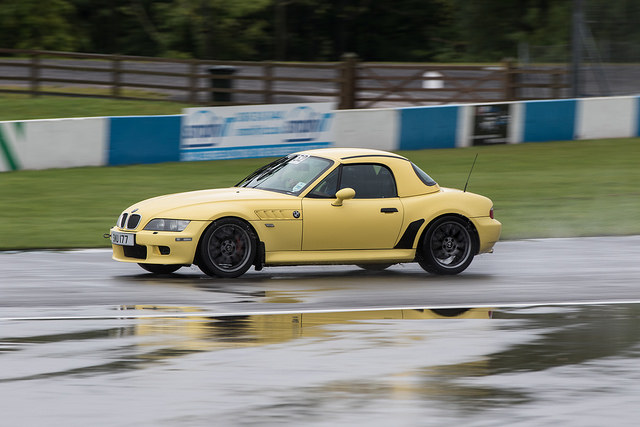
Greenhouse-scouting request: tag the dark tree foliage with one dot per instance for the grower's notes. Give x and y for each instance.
(33, 24)
(377, 30)
(616, 27)
(117, 26)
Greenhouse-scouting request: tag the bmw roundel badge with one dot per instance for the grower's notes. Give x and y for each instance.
(296, 214)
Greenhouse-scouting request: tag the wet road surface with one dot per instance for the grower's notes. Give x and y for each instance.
(78, 283)
(554, 338)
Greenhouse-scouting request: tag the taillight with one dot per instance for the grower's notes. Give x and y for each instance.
(491, 212)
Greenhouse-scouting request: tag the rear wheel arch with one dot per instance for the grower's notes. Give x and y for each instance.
(470, 226)
(447, 245)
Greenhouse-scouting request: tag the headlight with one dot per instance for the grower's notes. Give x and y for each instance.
(161, 224)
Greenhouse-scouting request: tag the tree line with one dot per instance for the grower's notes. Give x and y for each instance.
(310, 30)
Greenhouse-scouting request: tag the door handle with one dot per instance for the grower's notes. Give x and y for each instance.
(388, 210)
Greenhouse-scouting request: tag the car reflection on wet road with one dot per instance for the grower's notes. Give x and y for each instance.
(524, 366)
(551, 335)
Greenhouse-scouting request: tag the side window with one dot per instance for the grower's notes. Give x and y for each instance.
(370, 181)
(423, 176)
(328, 187)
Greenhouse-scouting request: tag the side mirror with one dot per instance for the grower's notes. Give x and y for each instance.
(342, 195)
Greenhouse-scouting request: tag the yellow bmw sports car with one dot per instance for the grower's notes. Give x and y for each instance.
(329, 206)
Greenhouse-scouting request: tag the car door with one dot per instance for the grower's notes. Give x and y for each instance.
(371, 220)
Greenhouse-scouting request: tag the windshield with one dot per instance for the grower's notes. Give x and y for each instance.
(290, 174)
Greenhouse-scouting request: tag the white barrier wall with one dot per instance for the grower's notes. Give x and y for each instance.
(56, 143)
(62, 143)
(606, 118)
(366, 129)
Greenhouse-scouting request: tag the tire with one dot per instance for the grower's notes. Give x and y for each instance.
(447, 246)
(227, 248)
(374, 267)
(160, 268)
(449, 312)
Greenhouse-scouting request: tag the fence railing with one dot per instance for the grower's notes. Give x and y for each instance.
(350, 83)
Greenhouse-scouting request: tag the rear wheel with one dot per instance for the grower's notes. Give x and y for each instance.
(447, 246)
(227, 248)
(160, 268)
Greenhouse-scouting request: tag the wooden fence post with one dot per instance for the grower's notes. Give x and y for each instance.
(193, 81)
(268, 82)
(510, 80)
(556, 84)
(116, 72)
(349, 81)
(34, 79)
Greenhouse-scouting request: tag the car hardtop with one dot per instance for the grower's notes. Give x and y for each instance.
(407, 179)
(341, 154)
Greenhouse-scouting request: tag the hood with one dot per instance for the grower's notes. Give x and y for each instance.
(172, 204)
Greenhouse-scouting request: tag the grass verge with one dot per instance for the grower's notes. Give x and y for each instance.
(560, 189)
(26, 107)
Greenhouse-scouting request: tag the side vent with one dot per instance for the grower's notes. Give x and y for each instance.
(407, 239)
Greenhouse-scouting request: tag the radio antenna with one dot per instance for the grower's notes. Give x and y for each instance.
(467, 183)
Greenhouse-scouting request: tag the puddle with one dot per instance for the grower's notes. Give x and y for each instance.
(506, 366)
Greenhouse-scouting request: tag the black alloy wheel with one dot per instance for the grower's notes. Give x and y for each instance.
(447, 247)
(227, 248)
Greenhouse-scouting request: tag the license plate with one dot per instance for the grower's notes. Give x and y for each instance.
(123, 239)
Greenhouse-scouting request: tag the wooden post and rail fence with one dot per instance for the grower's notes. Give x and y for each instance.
(350, 82)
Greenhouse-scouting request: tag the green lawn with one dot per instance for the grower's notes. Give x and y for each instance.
(578, 188)
(559, 189)
(25, 107)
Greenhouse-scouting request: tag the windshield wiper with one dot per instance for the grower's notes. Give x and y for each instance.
(269, 172)
(260, 171)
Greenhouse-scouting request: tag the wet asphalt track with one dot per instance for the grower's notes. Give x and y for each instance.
(528, 272)
(88, 341)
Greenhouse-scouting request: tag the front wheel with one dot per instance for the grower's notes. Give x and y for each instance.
(227, 248)
(447, 247)
(160, 268)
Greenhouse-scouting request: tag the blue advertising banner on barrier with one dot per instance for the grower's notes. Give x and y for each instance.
(428, 127)
(254, 130)
(144, 139)
(549, 120)
(638, 116)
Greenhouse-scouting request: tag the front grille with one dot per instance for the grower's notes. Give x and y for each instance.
(135, 251)
(123, 220)
(133, 222)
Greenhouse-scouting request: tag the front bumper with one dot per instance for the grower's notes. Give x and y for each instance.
(161, 247)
